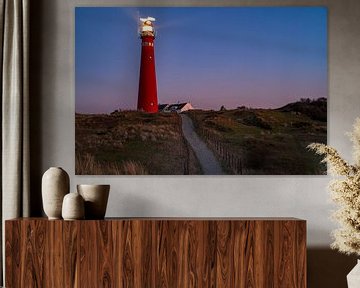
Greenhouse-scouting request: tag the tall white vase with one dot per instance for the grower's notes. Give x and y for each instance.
(353, 278)
(55, 185)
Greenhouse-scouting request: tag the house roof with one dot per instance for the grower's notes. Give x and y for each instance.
(176, 106)
(162, 106)
(172, 107)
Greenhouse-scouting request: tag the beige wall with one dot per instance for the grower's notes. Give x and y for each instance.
(52, 123)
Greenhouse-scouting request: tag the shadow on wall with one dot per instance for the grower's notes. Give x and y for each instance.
(328, 268)
(37, 12)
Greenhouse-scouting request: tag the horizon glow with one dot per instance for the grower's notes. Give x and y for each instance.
(260, 57)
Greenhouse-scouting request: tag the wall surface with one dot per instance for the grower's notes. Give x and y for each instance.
(53, 132)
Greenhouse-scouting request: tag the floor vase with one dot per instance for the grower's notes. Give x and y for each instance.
(353, 278)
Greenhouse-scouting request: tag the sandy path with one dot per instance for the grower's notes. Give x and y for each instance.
(209, 164)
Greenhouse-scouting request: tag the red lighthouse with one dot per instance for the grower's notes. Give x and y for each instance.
(147, 98)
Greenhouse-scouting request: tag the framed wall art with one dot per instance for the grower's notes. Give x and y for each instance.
(200, 90)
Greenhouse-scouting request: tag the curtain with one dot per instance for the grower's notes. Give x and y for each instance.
(14, 37)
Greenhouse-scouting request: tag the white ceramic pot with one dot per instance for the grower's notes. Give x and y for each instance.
(73, 207)
(55, 185)
(353, 278)
(96, 198)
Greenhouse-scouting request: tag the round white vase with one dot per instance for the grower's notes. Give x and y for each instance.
(96, 198)
(73, 207)
(55, 185)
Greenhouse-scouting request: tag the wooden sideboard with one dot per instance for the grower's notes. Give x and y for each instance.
(156, 252)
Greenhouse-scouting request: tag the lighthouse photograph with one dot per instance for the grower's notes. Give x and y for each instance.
(200, 90)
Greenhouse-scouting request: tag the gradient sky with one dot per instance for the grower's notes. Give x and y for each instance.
(260, 57)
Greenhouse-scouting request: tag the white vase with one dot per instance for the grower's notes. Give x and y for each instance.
(55, 185)
(95, 197)
(353, 278)
(73, 207)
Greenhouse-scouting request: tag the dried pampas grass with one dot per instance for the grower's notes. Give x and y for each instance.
(345, 192)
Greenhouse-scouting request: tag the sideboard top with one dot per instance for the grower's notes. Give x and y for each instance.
(173, 219)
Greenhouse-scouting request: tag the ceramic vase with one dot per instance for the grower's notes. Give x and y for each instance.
(96, 198)
(55, 185)
(353, 278)
(73, 207)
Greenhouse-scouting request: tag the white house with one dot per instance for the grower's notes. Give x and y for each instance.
(178, 108)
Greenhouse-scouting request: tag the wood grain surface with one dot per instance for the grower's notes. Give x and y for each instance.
(157, 253)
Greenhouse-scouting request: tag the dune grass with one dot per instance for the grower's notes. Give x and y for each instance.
(87, 165)
(268, 141)
(131, 142)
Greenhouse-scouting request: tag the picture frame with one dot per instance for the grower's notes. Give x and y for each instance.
(268, 147)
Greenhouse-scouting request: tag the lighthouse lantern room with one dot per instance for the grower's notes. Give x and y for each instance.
(147, 97)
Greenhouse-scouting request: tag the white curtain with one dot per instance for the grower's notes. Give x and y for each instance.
(14, 37)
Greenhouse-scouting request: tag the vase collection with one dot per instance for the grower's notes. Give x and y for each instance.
(89, 202)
